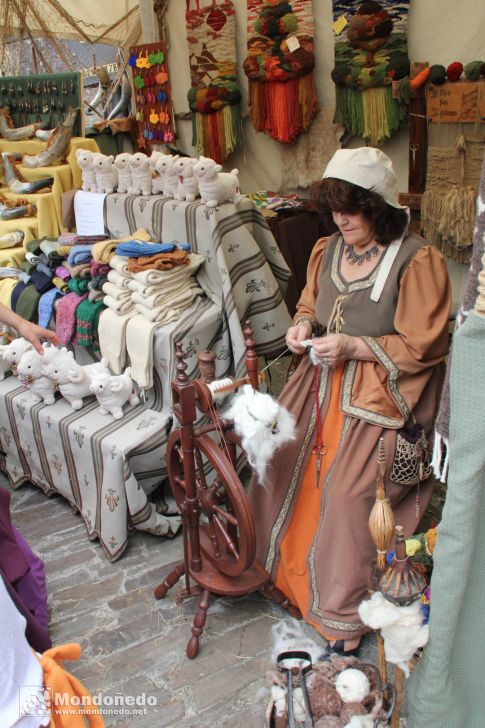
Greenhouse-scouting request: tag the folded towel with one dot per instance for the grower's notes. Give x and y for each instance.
(160, 261)
(66, 316)
(119, 279)
(41, 281)
(165, 314)
(79, 254)
(137, 248)
(62, 272)
(78, 285)
(118, 306)
(153, 277)
(163, 295)
(102, 252)
(46, 306)
(120, 264)
(121, 294)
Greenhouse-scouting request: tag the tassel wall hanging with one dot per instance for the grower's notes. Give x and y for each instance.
(279, 66)
(214, 96)
(370, 53)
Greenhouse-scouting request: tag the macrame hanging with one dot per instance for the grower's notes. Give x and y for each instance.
(279, 66)
(370, 53)
(214, 96)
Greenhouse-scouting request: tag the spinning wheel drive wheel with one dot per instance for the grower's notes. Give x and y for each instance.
(226, 527)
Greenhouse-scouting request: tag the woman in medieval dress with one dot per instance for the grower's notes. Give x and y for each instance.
(377, 304)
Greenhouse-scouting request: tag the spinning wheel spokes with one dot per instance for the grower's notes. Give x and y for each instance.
(227, 535)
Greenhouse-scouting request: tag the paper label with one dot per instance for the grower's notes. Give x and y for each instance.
(293, 43)
(340, 24)
(89, 213)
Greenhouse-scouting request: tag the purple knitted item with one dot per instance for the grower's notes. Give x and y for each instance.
(66, 316)
(99, 269)
(62, 272)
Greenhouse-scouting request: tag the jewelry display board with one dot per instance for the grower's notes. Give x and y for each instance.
(44, 97)
(154, 112)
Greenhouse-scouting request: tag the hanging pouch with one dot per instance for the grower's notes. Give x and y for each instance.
(411, 460)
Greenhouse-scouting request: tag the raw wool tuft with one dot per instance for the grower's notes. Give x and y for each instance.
(402, 628)
(263, 425)
(282, 93)
(214, 96)
(370, 54)
(303, 162)
(289, 635)
(352, 685)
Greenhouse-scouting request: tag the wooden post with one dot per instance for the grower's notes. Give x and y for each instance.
(398, 685)
(147, 15)
(418, 142)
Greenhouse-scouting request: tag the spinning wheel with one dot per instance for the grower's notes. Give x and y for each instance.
(226, 529)
(218, 528)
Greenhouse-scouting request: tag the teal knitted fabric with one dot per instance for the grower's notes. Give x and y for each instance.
(78, 285)
(87, 317)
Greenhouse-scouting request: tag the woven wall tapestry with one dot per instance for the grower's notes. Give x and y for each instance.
(370, 54)
(214, 96)
(279, 66)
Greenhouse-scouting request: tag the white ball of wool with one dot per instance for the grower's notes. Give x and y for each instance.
(352, 685)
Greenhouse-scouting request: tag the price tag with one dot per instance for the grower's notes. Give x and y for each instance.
(293, 43)
(340, 24)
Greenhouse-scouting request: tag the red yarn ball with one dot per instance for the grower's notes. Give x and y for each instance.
(454, 71)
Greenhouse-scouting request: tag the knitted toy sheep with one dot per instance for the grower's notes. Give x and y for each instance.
(142, 174)
(168, 174)
(157, 181)
(84, 160)
(216, 186)
(125, 176)
(113, 391)
(29, 372)
(106, 173)
(188, 186)
(73, 379)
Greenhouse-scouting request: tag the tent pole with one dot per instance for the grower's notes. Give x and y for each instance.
(147, 14)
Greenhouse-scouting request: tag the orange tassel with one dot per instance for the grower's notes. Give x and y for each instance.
(283, 109)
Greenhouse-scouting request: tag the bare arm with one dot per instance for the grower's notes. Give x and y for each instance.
(33, 333)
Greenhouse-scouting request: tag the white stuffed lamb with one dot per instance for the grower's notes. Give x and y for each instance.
(188, 185)
(125, 176)
(84, 160)
(5, 366)
(157, 181)
(113, 391)
(73, 379)
(14, 351)
(29, 372)
(168, 174)
(142, 174)
(106, 173)
(216, 186)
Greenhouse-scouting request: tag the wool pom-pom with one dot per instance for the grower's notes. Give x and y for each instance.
(454, 71)
(352, 685)
(473, 70)
(437, 74)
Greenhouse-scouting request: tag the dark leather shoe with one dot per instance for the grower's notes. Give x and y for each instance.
(338, 648)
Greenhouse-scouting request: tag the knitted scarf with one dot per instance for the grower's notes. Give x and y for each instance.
(440, 452)
(66, 317)
(214, 96)
(279, 65)
(87, 318)
(370, 53)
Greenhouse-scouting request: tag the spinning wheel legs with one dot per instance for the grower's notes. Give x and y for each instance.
(169, 581)
(199, 623)
(270, 591)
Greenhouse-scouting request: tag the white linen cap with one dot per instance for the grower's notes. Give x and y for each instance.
(368, 168)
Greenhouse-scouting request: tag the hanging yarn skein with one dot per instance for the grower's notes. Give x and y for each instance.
(279, 65)
(214, 95)
(370, 53)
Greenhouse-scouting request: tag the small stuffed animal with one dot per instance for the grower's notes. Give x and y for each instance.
(157, 181)
(29, 372)
(14, 351)
(125, 176)
(106, 173)
(73, 379)
(216, 186)
(142, 174)
(84, 159)
(113, 391)
(168, 174)
(188, 186)
(5, 366)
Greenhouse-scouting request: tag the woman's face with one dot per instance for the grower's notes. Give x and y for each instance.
(355, 229)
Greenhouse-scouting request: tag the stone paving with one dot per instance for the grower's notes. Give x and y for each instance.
(133, 644)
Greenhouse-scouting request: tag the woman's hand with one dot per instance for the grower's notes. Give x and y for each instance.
(296, 334)
(335, 348)
(36, 334)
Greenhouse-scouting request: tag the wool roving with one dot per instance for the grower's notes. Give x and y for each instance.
(454, 71)
(473, 70)
(370, 54)
(214, 96)
(279, 66)
(437, 74)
